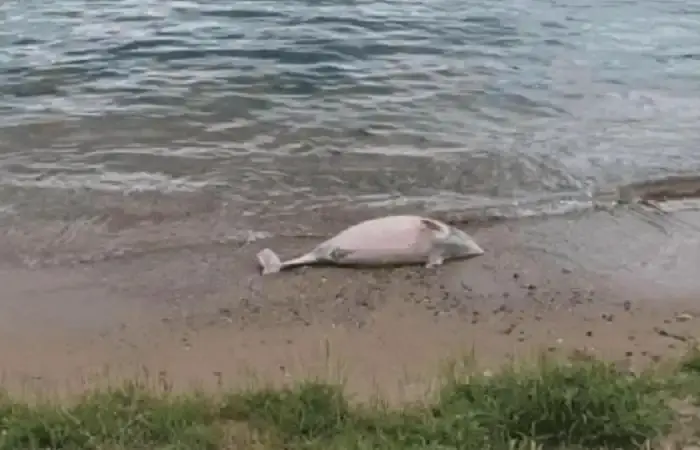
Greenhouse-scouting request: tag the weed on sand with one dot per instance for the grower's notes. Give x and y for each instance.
(582, 404)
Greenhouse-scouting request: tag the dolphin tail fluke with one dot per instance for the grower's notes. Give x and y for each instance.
(269, 261)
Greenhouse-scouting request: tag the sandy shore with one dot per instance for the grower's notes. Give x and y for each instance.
(622, 285)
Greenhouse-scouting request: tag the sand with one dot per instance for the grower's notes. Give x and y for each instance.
(621, 285)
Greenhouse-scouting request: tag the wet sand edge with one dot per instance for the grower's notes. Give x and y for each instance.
(206, 317)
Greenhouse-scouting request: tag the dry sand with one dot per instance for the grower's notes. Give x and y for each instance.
(622, 285)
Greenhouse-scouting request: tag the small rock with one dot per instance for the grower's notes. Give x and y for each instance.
(683, 317)
(608, 317)
(589, 333)
(629, 354)
(565, 270)
(627, 305)
(516, 275)
(510, 328)
(531, 287)
(501, 309)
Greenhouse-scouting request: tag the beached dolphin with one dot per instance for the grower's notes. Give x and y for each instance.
(389, 240)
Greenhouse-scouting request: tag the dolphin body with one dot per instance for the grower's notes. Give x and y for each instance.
(390, 240)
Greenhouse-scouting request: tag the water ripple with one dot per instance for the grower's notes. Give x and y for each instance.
(354, 102)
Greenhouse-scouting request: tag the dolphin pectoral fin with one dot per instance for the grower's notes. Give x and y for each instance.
(430, 224)
(337, 254)
(435, 258)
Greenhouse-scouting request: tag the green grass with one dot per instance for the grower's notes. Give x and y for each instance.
(584, 404)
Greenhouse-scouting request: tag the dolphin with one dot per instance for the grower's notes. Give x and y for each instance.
(389, 240)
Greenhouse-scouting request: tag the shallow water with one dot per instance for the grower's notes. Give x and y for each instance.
(259, 109)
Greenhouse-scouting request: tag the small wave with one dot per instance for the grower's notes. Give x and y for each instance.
(111, 181)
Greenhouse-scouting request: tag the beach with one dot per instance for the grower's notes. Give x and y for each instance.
(616, 284)
(149, 150)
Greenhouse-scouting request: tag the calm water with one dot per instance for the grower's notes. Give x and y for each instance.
(273, 106)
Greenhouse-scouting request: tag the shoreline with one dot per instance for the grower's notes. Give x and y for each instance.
(603, 282)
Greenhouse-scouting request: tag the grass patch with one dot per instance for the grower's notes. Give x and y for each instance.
(128, 417)
(691, 362)
(584, 404)
(587, 404)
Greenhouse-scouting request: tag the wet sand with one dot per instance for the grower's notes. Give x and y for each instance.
(618, 284)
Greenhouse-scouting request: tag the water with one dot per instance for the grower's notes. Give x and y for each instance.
(263, 108)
